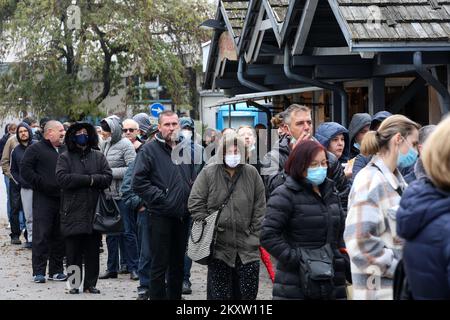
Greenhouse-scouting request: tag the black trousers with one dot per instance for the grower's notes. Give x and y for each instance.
(16, 205)
(48, 244)
(85, 248)
(168, 240)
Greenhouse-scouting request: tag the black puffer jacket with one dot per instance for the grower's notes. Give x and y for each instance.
(274, 175)
(298, 217)
(74, 171)
(162, 182)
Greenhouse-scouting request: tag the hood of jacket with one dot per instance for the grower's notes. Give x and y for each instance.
(359, 121)
(327, 131)
(115, 125)
(30, 132)
(70, 136)
(421, 204)
(379, 117)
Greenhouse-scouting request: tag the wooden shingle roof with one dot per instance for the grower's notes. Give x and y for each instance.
(236, 12)
(394, 21)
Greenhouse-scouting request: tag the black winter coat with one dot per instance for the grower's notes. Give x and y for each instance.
(38, 168)
(163, 185)
(74, 171)
(298, 217)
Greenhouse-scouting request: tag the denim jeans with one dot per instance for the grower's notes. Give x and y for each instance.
(8, 205)
(130, 252)
(187, 260)
(145, 259)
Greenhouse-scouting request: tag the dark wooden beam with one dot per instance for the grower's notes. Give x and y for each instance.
(377, 101)
(342, 71)
(407, 95)
(324, 60)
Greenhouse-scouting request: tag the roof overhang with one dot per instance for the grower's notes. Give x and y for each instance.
(262, 95)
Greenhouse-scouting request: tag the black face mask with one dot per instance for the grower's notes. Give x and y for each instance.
(81, 139)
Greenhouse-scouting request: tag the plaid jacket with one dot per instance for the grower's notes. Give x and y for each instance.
(370, 230)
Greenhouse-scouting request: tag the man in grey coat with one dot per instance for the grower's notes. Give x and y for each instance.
(119, 153)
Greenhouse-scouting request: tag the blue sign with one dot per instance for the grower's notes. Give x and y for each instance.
(156, 109)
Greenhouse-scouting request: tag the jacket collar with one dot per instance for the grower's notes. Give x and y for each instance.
(395, 179)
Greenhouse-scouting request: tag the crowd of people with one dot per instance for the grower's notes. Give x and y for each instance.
(338, 211)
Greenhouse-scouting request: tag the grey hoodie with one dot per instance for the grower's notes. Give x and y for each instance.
(359, 121)
(119, 153)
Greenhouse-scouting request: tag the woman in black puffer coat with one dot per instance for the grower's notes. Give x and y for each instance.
(82, 172)
(298, 216)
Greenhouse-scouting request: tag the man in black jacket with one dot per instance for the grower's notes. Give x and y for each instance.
(38, 168)
(164, 183)
(82, 172)
(299, 125)
(17, 183)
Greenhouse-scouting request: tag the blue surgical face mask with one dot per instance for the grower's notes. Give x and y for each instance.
(81, 139)
(408, 159)
(357, 145)
(34, 130)
(316, 175)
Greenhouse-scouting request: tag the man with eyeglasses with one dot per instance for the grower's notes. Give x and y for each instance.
(130, 131)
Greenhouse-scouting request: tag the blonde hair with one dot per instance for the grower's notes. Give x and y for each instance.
(436, 155)
(376, 141)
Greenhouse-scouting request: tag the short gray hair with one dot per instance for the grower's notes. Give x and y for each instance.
(293, 108)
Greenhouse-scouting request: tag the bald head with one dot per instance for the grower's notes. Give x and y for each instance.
(54, 132)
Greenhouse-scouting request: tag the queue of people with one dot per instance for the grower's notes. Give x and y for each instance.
(331, 206)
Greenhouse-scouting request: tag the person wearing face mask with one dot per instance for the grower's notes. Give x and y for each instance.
(38, 168)
(82, 172)
(163, 181)
(233, 273)
(357, 129)
(370, 229)
(423, 220)
(305, 213)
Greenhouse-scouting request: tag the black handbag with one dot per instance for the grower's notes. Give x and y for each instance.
(107, 218)
(317, 271)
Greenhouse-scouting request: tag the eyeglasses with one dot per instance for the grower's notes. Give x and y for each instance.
(126, 130)
(316, 164)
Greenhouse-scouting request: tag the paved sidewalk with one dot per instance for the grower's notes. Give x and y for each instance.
(16, 280)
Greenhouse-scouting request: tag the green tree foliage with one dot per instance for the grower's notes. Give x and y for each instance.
(58, 66)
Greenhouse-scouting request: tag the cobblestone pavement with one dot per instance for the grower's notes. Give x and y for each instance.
(16, 279)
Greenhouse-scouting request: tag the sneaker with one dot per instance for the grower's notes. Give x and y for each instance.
(16, 241)
(28, 245)
(186, 287)
(8, 227)
(58, 277)
(124, 270)
(39, 278)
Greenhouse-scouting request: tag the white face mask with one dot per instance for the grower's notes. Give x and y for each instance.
(108, 139)
(187, 134)
(232, 160)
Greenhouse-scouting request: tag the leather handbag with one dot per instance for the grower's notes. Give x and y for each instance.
(204, 233)
(107, 218)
